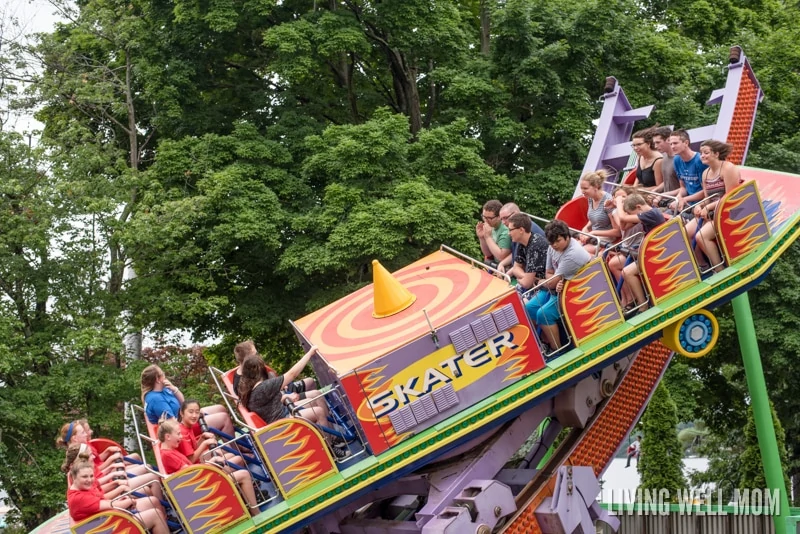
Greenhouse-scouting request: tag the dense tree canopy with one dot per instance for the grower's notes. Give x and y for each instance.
(222, 168)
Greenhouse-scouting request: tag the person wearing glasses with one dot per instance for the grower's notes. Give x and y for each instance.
(529, 263)
(565, 257)
(648, 161)
(506, 212)
(493, 234)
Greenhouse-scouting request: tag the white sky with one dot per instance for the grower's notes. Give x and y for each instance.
(31, 16)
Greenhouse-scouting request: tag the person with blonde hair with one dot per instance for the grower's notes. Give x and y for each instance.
(599, 224)
(171, 437)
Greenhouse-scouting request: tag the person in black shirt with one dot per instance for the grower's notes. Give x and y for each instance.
(529, 263)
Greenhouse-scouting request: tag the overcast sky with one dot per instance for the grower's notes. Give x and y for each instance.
(32, 16)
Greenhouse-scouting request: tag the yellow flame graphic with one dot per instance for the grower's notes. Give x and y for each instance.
(111, 524)
(299, 452)
(577, 293)
(371, 384)
(666, 265)
(217, 515)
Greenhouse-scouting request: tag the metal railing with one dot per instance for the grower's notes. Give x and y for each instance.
(347, 434)
(476, 262)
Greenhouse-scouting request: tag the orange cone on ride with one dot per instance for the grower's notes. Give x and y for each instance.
(388, 295)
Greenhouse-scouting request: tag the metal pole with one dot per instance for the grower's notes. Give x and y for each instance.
(765, 430)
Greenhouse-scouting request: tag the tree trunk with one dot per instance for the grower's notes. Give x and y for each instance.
(485, 27)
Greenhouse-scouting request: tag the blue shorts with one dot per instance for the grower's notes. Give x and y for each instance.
(543, 308)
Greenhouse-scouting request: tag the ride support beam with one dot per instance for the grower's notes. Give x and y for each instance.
(765, 430)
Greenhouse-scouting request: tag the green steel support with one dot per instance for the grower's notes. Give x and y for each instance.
(767, 442)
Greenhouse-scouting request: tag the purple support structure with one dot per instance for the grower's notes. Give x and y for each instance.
(448, 482)
(573, 504)
(611, 146)
(479, 508)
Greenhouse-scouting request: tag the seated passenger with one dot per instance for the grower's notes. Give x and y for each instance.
(173, 460)
(265, 396)
(720, 178)
(163, 399)
(75, 433)
(565, 257)
(85, 500)
(109, 453)
(671, 184)
(506, 212)
(599, 222)
(196, 443)
(689, 170)
(492, 234)
(617, 258)
(648, 161)
(77, 454)
(248, 348)
(633, 210)
(529, 263)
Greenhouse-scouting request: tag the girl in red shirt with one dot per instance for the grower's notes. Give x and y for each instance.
(84, 500)
(170, 434)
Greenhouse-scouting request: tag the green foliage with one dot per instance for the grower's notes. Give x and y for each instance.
(751, 466)
(661, 461)
(248, 160)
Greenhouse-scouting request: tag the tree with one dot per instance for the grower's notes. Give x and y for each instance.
(751, 466)
(722, 400)
(661, 462)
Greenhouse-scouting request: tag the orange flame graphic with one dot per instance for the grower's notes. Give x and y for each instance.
(517, 361)
(112, 524)
(300, 451)
(749, 235)
(374, 383)
(212, 507)
(587, 305)
(667, 268)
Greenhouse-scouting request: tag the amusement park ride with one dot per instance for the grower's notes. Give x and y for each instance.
(435, 378)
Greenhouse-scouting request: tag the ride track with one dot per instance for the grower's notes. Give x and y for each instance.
(629, 356)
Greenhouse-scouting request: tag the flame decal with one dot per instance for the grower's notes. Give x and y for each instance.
(374, 382)
(213, 504)
(516, 361)
(113, 524)
(667, 274)
(743, 234)
(583, 297)
(302, 448)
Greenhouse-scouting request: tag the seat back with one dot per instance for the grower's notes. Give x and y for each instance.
(101, 444)
(574, 212)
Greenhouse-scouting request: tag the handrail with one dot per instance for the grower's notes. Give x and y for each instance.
(639, 235)
(227, 397)
(643, 190)
(138, 434)
(348, 436)
(218, 450)
(476, 263)
(542, 219)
